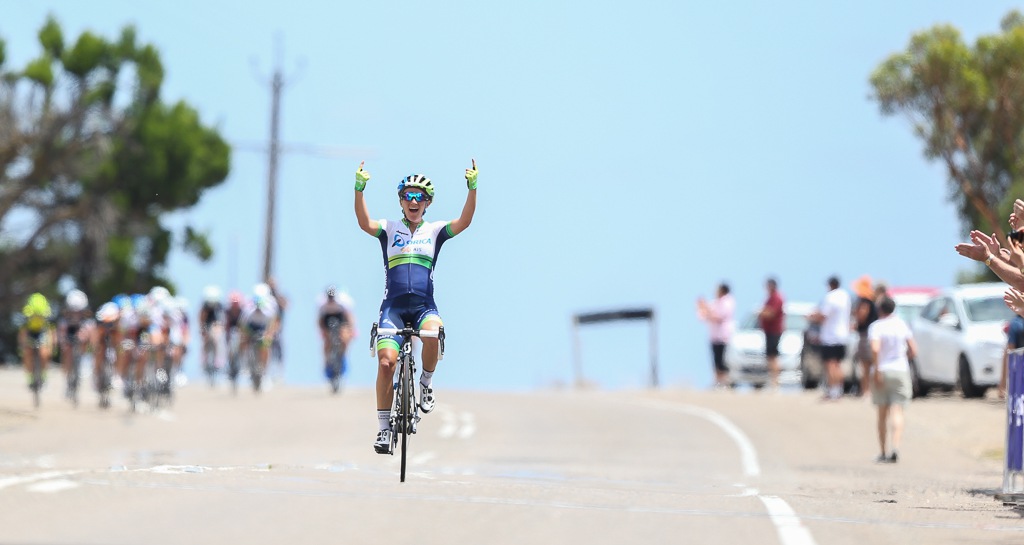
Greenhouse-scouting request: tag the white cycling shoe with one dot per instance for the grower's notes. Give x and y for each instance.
(382, 445)
(426, 399)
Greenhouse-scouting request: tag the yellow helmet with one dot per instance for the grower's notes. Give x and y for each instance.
(37, 306)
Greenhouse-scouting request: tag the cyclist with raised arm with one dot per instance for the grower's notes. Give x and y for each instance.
(335, 320)
(410, 247)
(36, 331)
(73, 330)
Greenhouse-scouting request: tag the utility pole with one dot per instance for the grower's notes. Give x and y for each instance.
(274, 150)
(276, 84)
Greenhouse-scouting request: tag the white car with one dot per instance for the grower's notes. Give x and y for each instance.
(910, 301)
(745, 355)
(960, 339)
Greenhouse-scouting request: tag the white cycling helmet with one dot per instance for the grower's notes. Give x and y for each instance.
(108, 312)
(76, 300)
(211, 294)
(181, 303)
(159, 294)
(261, 290)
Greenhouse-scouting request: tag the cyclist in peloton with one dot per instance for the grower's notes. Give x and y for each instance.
(410, 247)
(232, 319)
(259, 323)
(178, 336)
(105, 335)
(211, 318)
(73, 326)
(335, 309)
(37, 328)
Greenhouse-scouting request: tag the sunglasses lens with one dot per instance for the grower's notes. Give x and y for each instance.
(411, 196)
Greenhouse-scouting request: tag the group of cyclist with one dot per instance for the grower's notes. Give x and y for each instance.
(126, 330)
(241, 324)
(130, 330)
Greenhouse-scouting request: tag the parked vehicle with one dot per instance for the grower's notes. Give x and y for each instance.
(910, 301)
(745, 354)
(960, 339)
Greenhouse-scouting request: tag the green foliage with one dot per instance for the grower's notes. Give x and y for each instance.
(51, 37)
(97, 176)
(40, 71)
(3, 52)
(967, 106)
(87, 55)
(198, 244)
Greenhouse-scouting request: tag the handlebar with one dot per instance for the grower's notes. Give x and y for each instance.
(406, 332)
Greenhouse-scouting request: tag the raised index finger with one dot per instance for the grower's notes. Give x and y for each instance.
(361, 163)
(474, 163)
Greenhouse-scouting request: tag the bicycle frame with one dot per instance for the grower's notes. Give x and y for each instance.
(405, 410)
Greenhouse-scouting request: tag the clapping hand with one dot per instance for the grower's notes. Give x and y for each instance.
(980, 247)
(1016, 252)
(1015, 300)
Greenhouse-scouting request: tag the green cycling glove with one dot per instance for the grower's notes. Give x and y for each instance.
(471, 176)
(361, 178)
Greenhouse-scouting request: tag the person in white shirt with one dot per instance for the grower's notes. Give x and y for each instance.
(719, 316)
(892, 345)
(834, 316)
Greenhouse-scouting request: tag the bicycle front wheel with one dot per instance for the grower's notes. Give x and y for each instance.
(406, 415)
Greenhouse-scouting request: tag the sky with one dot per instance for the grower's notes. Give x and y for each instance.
(631, 155)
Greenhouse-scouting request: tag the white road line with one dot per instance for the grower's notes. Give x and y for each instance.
(56, 485)
(12, 481)
(449, 424)
(468, 426)
(791, 530)
(748, 454)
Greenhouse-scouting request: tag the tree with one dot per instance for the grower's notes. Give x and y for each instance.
(90, 159)
(967, 105)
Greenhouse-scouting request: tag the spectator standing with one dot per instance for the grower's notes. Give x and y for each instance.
(865, 312)
(720, 316)
(772, 319)
(892, 346)
(834, 316)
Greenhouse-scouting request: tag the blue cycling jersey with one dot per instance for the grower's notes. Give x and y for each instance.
(410, 258)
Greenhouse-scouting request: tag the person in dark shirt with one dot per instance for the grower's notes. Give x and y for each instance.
(865, 312)
(773, 322)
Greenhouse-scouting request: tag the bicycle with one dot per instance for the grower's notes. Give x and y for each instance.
(38, 371)
(252, 358)
(335, 354)
(210, 356)
(405, 411)
(73, 371)
(104, 380)
(158, 378)
(234, 357)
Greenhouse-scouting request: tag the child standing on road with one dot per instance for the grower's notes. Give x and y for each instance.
(892, 344)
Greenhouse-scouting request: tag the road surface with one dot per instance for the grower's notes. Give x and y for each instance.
(296, 464)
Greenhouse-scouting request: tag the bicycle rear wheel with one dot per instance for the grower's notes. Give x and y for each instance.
(76, 355)
(37, 376)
